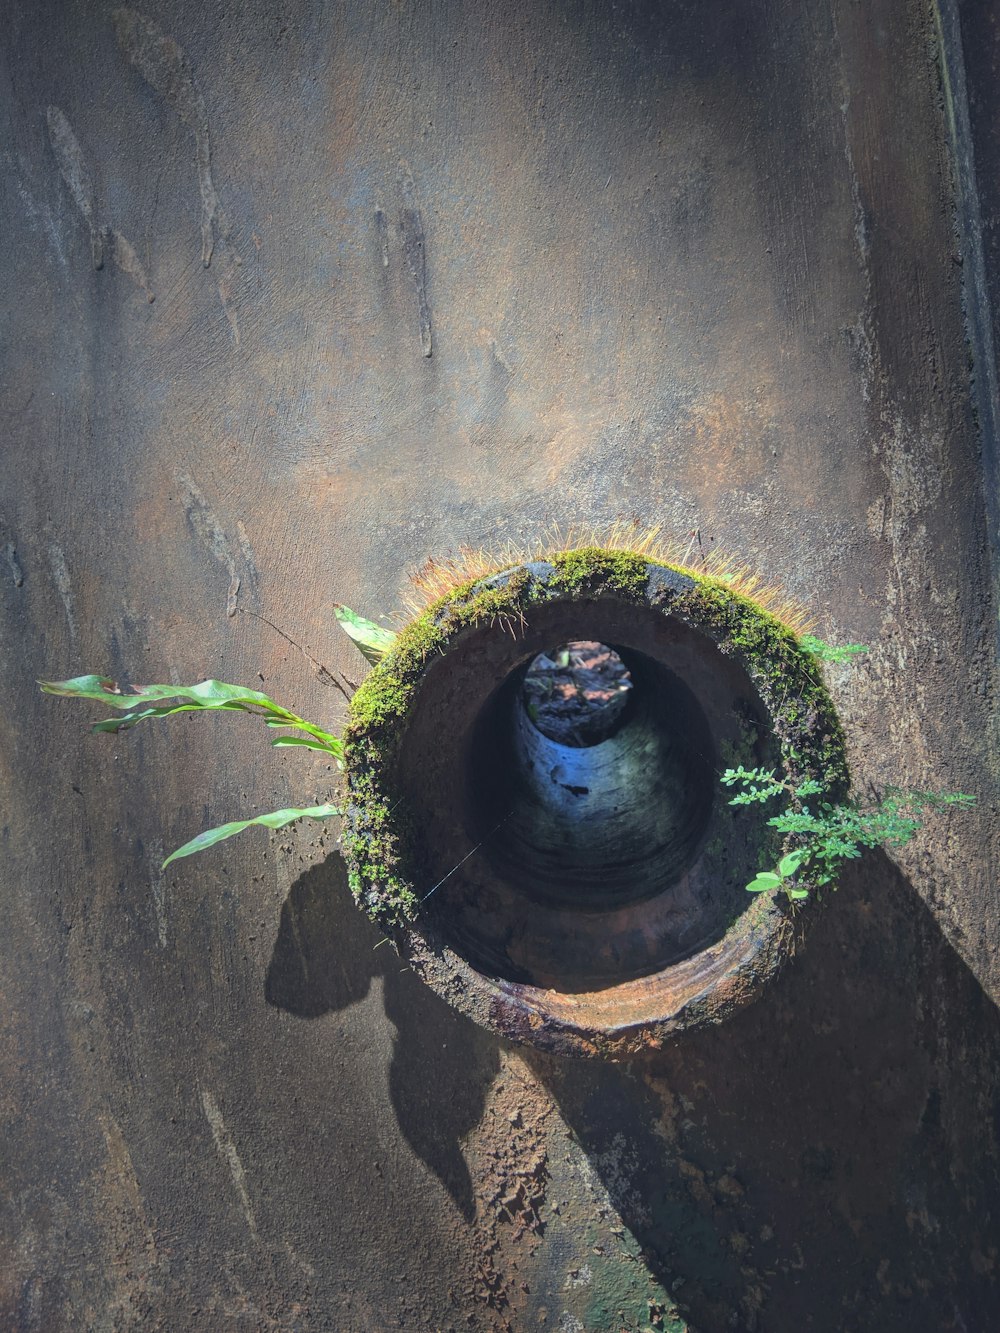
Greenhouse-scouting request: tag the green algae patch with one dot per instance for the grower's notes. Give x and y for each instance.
(380, 843)
(786, 674)
(377, 839)
(592, 569)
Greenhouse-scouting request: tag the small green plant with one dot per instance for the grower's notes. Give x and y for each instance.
(829, 652)
(829, 834)
(373, 641)
(144, 702)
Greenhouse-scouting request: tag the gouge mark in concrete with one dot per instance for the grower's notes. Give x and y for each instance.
(74, 171)
(64, 586)
(104, 239)
(212, 536)
(227, 1151)
(157, 882)
(128, 261)
(382, 231)
(414, 248)
(166, 68)
(13, 564)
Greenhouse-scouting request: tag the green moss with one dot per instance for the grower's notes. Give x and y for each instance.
(384, 697)
(623, 1293)
(378, 843)
(373, 841)
(594, 569)
(786, 675)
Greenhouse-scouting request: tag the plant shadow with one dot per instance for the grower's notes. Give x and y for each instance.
(828, 1158)
(324, 960)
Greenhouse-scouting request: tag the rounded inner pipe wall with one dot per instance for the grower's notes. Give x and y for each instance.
(579, 868)
(600, 826)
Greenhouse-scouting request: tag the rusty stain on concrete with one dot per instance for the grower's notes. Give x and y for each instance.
(508, 1158)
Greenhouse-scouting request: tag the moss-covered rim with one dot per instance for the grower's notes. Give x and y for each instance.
(786, 676)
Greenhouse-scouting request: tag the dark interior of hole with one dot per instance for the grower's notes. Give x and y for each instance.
(542, 889)
(594, 827)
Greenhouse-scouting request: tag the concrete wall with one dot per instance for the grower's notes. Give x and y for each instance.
(475, 268)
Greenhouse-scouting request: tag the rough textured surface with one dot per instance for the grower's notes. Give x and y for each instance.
(701, 272)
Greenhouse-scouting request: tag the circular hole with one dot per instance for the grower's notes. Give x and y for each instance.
(582, 866)
(577, 694)
(584, 892)
(597, 823)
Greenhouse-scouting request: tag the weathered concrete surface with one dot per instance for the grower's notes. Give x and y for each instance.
(695, 269)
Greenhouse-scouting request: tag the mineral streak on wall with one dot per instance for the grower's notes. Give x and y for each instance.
(298, 294)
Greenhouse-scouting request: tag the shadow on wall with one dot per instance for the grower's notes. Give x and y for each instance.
(827, 1159)
(325, 959)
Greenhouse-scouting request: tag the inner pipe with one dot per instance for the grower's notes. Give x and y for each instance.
(593, 827)
(580, 867)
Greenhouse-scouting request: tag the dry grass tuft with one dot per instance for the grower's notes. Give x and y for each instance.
(437, 578)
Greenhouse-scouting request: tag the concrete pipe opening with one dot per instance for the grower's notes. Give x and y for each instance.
(571, 873)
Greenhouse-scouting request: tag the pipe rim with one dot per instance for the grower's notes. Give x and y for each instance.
(617, 1020)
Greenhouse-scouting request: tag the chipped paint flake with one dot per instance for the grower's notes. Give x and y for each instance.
(64, 586)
